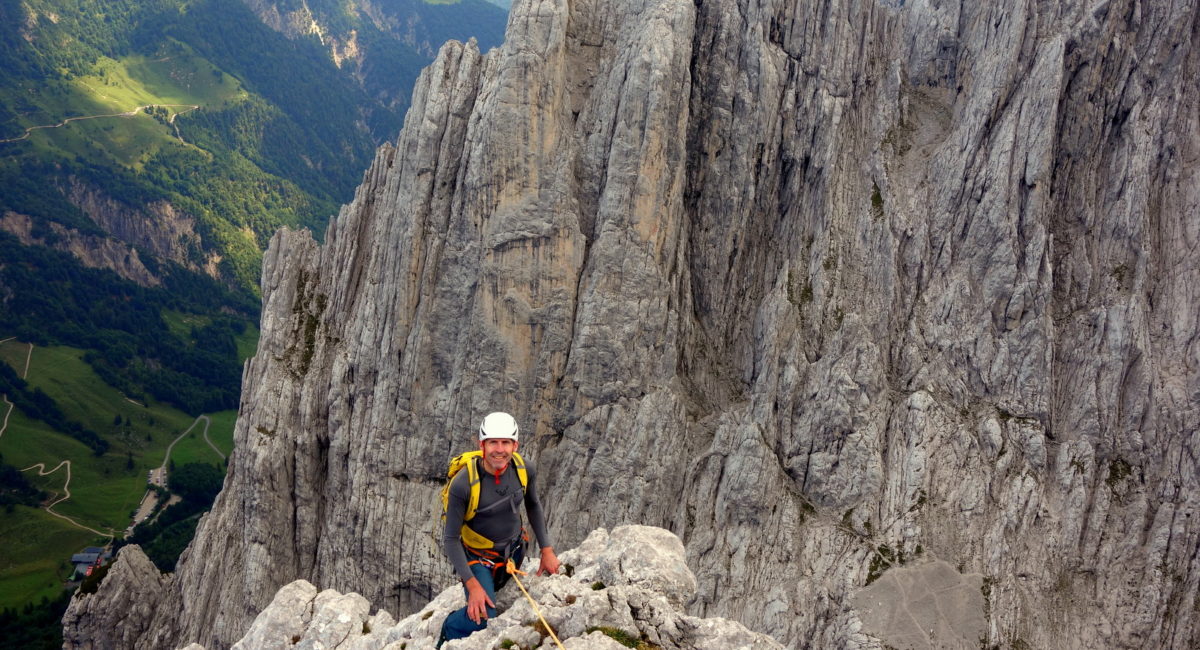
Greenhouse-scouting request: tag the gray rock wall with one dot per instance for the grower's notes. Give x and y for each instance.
(823, 288)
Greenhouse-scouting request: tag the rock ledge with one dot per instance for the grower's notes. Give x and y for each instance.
(632, 582)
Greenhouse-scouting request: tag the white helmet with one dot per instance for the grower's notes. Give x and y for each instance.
(498, 425)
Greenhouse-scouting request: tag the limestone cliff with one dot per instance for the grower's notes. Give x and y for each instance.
(823, 288)
(91, 250)
(157, 227)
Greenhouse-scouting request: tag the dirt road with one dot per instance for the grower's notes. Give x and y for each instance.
(130, 113)
(41, 468)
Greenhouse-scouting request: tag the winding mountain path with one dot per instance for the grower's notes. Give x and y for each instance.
(207, 422)
(167, 456)
(7, 413)
(129, 113)
(5, 396)
(4, 426)
(41, 468)
(28, 356)
(158, 475)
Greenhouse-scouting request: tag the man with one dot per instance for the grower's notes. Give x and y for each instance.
(480, 545)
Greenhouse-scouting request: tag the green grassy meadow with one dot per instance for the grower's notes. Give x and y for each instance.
(177, 81)
(180, 323)
(175, 76)
(193, 449)
(39, 549)
(105, 490)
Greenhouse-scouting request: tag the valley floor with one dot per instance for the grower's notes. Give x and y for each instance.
(92, 498)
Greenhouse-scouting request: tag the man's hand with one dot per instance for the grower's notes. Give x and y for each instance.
(477, 601)
(549, 563)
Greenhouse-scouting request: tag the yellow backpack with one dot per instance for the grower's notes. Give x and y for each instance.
(468, 460)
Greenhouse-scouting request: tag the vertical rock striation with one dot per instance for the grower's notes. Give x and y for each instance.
(823, 288)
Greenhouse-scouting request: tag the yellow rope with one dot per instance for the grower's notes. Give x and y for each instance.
(513, 571)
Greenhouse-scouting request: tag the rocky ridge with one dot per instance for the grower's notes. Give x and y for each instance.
(824, 289)
(628, 585)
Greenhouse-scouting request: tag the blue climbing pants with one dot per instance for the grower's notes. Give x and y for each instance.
(458, 625)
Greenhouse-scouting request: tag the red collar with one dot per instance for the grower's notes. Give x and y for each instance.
(483, 466)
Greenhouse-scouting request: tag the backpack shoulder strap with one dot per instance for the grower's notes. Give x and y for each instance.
(472, 459)
(522, 473)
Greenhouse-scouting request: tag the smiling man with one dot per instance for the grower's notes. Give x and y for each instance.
(483, 523)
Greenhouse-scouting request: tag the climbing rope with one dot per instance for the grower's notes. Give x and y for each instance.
(514, 571)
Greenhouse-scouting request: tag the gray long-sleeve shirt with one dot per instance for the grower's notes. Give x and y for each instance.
(498, 516)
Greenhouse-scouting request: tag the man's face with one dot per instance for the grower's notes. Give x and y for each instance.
(496, 453)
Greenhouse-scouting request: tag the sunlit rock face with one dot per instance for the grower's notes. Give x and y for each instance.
(822, 288)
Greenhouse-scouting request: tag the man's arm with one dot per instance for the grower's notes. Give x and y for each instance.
(533, 507)
(456, 510)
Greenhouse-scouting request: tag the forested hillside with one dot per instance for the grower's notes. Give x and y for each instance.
(166, 141)
(148, 151)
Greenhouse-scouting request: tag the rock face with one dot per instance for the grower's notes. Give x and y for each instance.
(135, 583)
(822, 288)
(925, 606)
(157, 227)
(91, 251)
(629, 584)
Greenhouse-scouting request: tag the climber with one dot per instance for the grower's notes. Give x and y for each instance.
(489, 497)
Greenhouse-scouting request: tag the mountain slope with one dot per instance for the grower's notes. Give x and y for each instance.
(165, 141)
(229, 165)
(148, 149)
(242, 128)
